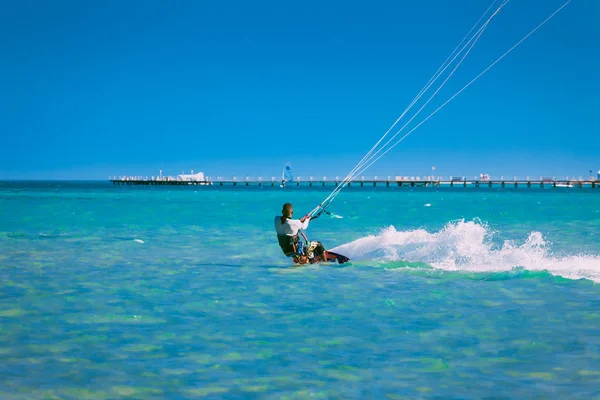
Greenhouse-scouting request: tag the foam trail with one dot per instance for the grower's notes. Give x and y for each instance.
(467, 246)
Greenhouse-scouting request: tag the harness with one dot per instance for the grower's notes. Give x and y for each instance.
(291, 245)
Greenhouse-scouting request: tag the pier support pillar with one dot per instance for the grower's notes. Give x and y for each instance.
(387, 184)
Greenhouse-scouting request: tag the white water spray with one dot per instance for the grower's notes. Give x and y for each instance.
(468, 246)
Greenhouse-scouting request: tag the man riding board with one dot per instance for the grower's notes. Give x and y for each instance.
(288, 230)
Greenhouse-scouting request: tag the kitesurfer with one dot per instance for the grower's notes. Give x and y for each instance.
(288, 230)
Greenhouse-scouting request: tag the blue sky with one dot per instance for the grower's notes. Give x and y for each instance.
(98, 88)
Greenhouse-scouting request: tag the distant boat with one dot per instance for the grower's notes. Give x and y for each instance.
(564, 185)
(286, 174)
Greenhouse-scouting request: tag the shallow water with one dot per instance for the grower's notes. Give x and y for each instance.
(132, 292)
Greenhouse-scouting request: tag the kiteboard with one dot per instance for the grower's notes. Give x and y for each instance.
(316, 253)
(317, 259)
(333, 257)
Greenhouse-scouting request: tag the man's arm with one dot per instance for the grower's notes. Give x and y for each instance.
(304, 221)
(292, 226)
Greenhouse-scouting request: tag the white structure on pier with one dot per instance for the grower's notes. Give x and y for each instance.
(198, 177)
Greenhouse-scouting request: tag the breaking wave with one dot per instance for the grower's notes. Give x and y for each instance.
(468, 246)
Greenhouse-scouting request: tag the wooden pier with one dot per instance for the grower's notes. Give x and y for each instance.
(475, 183)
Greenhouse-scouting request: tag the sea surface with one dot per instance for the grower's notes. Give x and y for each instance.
(110, 292)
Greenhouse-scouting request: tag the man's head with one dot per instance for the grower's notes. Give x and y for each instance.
(287, 210)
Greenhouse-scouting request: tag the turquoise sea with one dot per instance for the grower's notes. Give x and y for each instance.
(112, 292)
